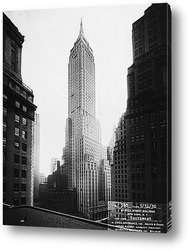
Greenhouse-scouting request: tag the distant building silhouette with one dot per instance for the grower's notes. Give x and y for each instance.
(53, 164)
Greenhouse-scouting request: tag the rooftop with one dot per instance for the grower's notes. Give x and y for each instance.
(39, 217)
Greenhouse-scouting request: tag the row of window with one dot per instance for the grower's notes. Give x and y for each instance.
(145, 85)
(18, 105)
(121, 181)
(137, 196)
(138, 167)
(18, 187)
(137, 119)
(24, 120)
(18, 89)
(120, 176)
(22, 201)
(137, 138)
(139, 186)
(137, 147)
(121, 190)
(136, 110)
(137, 37)
(144, 66)
(17, 146)
(18, 172)
(20, 159)
(138, 51)
(121, 196)
(138, 176)
(23, 133)
(120, 166)
(134, 129)
(138, 157)
(120, 171)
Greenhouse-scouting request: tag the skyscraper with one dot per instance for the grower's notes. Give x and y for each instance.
(83, 149)
(18, 118)
(142, 163)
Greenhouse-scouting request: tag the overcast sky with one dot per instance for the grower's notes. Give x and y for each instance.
(49, 37)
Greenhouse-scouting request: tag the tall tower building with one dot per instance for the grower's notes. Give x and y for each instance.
(18, 118)
(141, 171)
(83, 149)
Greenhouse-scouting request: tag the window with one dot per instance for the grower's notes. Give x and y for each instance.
(17, 145)
(5, 97)
(4, 141)
(143, 176)
(24, 160)
(17, 104)
(16, 159)
(16, 187)
(17, 88)
(24, 147)
(142, 137)
(23, 187)
(23, 200)
(24, 134)
(152, 116)
(132, 167)
(24, 121)
(17, 118)
(16, 172)
(24, 173)
(4, 126)
(4, 111)
(17, 131)
(134, 196)
(132, 139)
(24, 93)
(133, 176)
(143, 166)
(16, 201)
(30, 98)
(24, 108)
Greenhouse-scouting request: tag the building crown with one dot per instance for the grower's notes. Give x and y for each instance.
(81, 28)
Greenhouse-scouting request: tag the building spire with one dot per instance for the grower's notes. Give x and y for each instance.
(81, 28)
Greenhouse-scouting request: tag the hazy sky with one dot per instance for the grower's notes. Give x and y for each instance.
(49, 37)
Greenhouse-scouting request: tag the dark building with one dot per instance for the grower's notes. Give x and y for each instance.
(142, 152)
(55, 194)
(60, 200)
(18, 118)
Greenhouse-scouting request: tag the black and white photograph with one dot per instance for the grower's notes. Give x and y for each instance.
(87, 118)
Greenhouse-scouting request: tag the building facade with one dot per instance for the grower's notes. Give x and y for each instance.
(142, 166)
(83, 149)
(18, 118)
